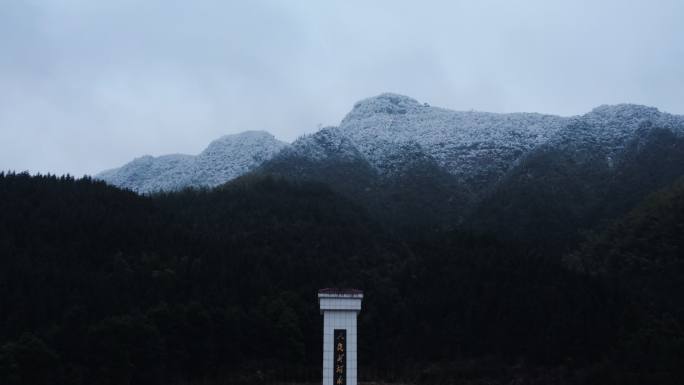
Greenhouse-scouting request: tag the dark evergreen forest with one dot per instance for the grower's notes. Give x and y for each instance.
(103, 286)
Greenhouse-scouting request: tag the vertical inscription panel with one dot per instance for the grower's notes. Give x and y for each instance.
(340, 357)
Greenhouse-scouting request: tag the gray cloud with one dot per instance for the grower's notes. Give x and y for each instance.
(87, 85)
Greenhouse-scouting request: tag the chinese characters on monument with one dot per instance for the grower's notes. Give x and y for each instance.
(340, 347)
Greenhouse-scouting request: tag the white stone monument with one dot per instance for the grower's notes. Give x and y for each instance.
(340, 308)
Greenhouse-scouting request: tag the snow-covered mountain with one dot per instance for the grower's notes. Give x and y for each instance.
(224, 159)
(408, 162)
(468, 144)
(593, 170)
(412, 164)
(475, 147)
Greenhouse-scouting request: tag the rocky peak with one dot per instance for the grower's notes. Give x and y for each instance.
(387, 103)
(244, 139)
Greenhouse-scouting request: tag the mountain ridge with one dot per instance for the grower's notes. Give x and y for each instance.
(222, 160)
(413, 165)
(460, 141)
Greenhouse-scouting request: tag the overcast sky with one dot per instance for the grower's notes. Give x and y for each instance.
(87, 85)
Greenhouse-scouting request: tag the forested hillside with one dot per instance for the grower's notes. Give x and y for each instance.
(102, 286)
(643, 254)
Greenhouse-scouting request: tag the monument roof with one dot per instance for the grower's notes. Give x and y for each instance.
(339, 291)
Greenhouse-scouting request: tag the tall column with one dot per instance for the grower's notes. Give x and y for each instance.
(340, 308)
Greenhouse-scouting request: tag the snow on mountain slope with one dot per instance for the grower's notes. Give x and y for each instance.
(328, 142)
(231, 156)
(224, 159)
(590, 172)
(147, 173)
(611, 126)
(390, 132)
(607, 130)
(470, 145)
